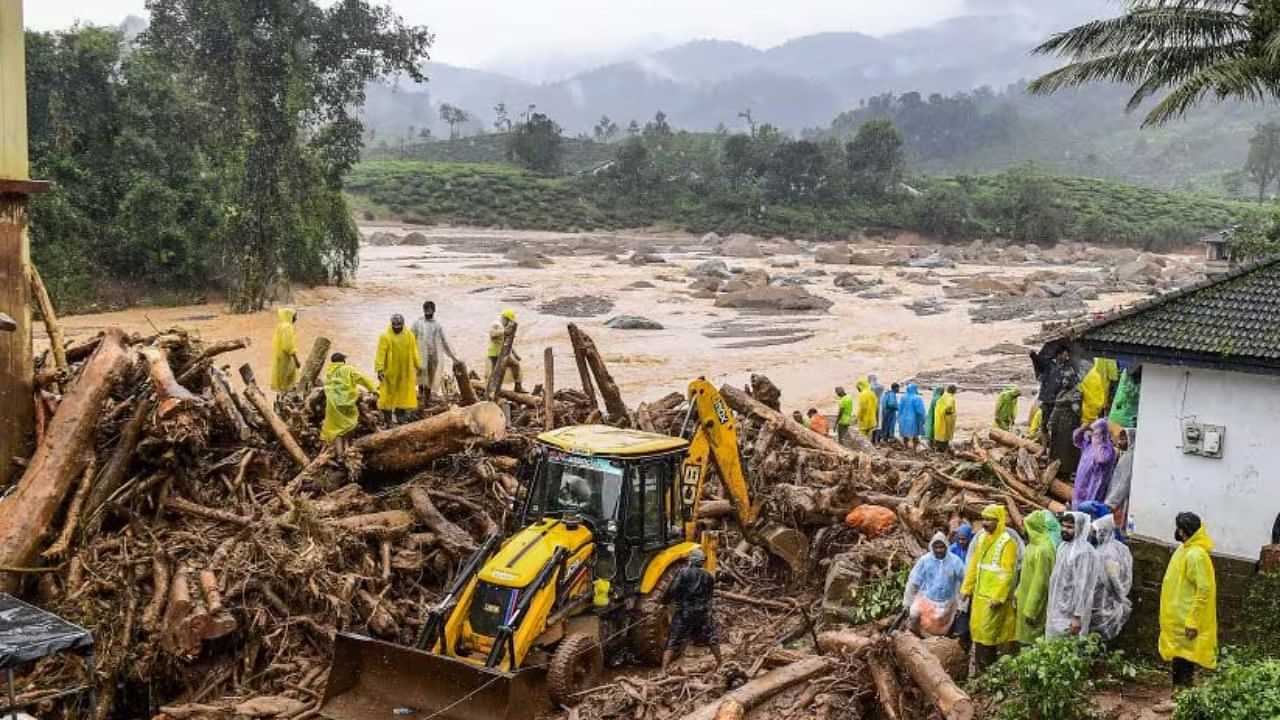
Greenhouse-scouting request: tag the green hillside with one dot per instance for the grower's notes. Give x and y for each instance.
(579, 154)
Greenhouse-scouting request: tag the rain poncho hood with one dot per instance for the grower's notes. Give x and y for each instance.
(1189, 600)
(397, 363)
(1097, 463)
(867, 405)
(340, 395)
(1007, 407)
(933, 409)
(284, 348)
(944, 418)
(965, 532)
(888, 414)
(1113, 607)
(1073, 589)
(1033, 579)
(1055, 530)
(911, 413)
(1124, 409)
(1094, 388)
(933, 588)
(989, 580)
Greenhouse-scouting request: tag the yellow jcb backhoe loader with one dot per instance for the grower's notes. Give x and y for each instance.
(607, 517)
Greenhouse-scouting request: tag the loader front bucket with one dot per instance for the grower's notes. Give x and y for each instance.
(375, 680)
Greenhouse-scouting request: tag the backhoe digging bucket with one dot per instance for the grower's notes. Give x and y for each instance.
(375, 680)
(787, 543)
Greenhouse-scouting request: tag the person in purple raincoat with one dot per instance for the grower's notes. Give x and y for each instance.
(1097, 462)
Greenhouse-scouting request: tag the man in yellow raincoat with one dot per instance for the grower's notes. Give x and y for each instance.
(944, 420)
(341, 391)
(867, 407)
(497, 337)
(1032, 595)
(1095, 389)
(989, 583)
(397, 365)
(1189, 603)
(284, 351)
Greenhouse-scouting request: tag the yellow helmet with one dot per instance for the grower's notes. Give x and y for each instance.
(509, 314)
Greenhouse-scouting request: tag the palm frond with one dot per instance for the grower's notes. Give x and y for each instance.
(1244, 78)
(1148, 27)
(1157, 67)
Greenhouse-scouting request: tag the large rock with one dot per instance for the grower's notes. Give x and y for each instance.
(845, 575)
(837, 254)
(711, 239)
(936, 260)
(1143, 270)
(632, 322)
(383, 239)
(789, 262)
(783, 246)
(870, 259)
(526, 257)
(853, 283)
(793, 299)
(747, 280)
(741, 246)
(710, 284)
(711, 269)
(416, 238)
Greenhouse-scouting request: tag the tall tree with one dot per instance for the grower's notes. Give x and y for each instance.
(537, 144)
(282, 82)
(606, 129)
(875, 158)
(1184, 49)
(1263, 164)
(501, 120)
(455, 117)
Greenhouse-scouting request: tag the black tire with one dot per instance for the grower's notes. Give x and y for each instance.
(575, 666)
(653, 622)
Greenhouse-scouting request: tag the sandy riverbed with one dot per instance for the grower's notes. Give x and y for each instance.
(464, 272)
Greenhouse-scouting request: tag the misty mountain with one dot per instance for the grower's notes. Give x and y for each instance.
(801, 83)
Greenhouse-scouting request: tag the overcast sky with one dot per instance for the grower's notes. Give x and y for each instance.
(503, 33)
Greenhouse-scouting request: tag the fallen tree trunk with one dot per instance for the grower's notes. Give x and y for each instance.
(456, 541)
(525, 399)
(731, 710)
(499, 370)
(744, 404)
(170, 394)
(57, 347)
(314, 364)
(548, 390)
(28, 512)
(888, 691)
(764, 687)
(844, 642)
(1063, 491)
(417, 443)
(224, 398)
(1009, 439)
(715, 509)
(928, 673)
(380, 524)
(115, 472)
(462, 376)
(205, 359)
(613, 404)
(584, 374)
(278, 428)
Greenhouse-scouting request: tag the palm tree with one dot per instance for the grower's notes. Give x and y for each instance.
(1189, 48)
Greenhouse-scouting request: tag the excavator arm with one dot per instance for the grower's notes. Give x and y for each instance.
(714, 442)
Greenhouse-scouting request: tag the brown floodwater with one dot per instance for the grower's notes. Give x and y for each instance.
(465, 274)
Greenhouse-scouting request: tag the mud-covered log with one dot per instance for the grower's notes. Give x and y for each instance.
(27, 514)
(58, 549)
(888, 691)
(278, 426)
(764, 391)
(159, 594)
(710, 509)
(1008, 439)
(186, 507)
(381, 621)
(929, 675)
(172, 397)
(530, 401)
(613, 404)
(731, 710)
(224, 399)
(204, 360)
(462, 377)
(315, 363)
(1059, 490)
(380, 524)
(548, 389)
(499, 370)
(584, 375)
(845, 642)
(415, 444)
(744, 404)
(57, 345)
(455, 541)
(764, 687)
(116, 470)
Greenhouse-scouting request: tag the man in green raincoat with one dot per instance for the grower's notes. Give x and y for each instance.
(1032, 594)
(341, 391)
(1007, 407)
(928, 418)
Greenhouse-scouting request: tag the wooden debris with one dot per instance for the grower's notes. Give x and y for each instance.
(57, 345)
(278, 426)
(765, 687)
(1008, 439)
(415, 444)
(951, 701)
(613, 404)
(316, 359)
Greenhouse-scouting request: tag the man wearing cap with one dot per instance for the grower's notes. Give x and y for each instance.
(691, 591)
(397, 364)
(497, 336)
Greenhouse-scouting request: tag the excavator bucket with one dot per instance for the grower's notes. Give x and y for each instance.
(375, 679)
(787, 543)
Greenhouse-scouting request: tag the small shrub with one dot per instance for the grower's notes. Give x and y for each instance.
(1240, 689)
(1051, 680)
(879, 598)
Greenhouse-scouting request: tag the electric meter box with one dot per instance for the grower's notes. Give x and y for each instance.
(1202, 439)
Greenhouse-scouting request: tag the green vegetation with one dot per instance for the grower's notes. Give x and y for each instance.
(1241, 688)
(1052, 679)
(879, 598)
(577, 155)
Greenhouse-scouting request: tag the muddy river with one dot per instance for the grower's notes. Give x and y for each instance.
(465, 272)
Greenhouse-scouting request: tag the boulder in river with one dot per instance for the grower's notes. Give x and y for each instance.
(741, 246)
(711, 268)
(837, 254)
(632, 322)
(795, 299)
(416, 238)
(383, 239)
(747, 280)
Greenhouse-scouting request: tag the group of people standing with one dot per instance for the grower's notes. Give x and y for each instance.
(406, 368)
(884, 415)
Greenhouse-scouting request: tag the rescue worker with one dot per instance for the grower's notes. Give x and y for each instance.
(911, 414)
(933, 589)
(889, 403)
(844, 417)
(989, 583)
(1189, 603)
(1037, 422)
(1007, 407)
(1052, 372)
(1124, 408)
(961, 539)
(342, 384)
(801, 419)
(930, 415)
(1032, 595)
(691, 592)
(1095, 389)
(1073, 588)
(431, 341)
(1097, 463)
(818, 422)
(397, 364)
(944, 420)
(867, 409)
(284, 351)
(1113, 607)
(497, 337)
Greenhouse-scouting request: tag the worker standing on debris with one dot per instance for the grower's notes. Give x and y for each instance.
(911, 414)
(497, 338)
(284, 351)
(818, 422)
(989, 583)
(1050, 373)
(1097, 463)
(931, 414)
(889, 403)
(1113, 607)
(1095, 389)
(1073, 588)
(1032, 595)
(933, 589)
(342, 384)
(1189, 603)
(691, 591)
(868, 408)
(844, 418)
(799, 418)
(397, 365)
(1007, 407)
(431, 341)
(944, 420)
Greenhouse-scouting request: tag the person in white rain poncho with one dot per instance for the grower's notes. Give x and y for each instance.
(1074, 586)
(933, 589)
(1113, 607)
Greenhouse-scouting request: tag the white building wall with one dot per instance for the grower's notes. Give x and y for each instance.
(1237, 496)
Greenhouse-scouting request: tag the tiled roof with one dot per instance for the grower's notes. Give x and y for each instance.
(1230, 321)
